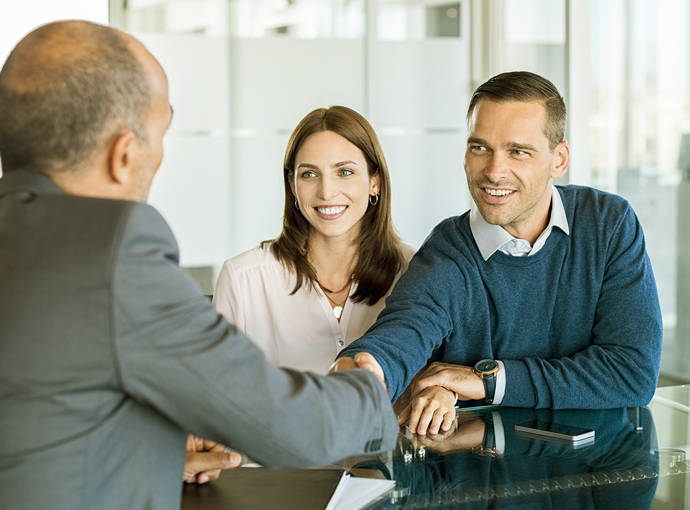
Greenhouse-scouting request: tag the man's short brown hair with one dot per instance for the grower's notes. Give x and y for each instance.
(65, 90)
(526, 87)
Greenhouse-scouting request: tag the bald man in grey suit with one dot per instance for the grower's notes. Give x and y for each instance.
(109, 354)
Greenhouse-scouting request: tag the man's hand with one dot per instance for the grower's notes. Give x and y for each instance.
(361, 360)
(468, 434)
(461, 379)
(205, 460)
(432, 409)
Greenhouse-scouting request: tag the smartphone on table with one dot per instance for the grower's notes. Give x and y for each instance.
(556, 432)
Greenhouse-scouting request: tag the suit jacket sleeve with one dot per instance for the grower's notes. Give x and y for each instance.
(176, 354)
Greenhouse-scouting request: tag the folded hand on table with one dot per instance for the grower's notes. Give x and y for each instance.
(205, 460)
(458, 378)
(467, 433)
(431, 409)
(431, 400)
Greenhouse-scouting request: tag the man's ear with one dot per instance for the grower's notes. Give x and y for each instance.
(561, 160)
(124, 158)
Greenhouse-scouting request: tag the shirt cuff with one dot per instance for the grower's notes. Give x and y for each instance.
(500, 383)
(499, 433)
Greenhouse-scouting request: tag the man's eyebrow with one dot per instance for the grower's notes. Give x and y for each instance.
(477, 141)
(521, 146)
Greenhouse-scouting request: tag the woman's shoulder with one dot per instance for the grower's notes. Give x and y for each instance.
(261, 257)
(408, 252)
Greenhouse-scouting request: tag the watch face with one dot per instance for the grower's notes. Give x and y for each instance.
(486, 365)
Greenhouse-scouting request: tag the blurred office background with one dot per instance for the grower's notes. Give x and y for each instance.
(244, 72)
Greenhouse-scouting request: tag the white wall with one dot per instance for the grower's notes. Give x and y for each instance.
(19, 17)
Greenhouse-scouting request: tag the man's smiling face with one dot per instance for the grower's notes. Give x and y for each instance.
(509, 166)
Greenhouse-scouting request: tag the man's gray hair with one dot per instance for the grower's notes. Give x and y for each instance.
(56, 112)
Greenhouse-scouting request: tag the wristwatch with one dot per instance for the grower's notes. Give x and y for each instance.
(488, 446)
(487, 369)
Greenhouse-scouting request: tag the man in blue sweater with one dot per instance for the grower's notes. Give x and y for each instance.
(540, 296)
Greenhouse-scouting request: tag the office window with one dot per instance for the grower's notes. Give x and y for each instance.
(640, 141)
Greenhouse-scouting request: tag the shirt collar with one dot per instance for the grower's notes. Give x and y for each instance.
(490, 238)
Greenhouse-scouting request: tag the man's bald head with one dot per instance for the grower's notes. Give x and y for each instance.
(65, 90)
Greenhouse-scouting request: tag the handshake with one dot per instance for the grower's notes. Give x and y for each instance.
(428, 404)
(429, 401)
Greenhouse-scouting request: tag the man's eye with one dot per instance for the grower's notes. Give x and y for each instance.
(518, 152)
(478, 148)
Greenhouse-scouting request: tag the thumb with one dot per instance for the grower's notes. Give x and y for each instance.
(205, 461)
(368, 362)
(405, 415)
(342, 364)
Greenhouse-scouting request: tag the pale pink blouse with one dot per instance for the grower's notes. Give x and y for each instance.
(298, 331)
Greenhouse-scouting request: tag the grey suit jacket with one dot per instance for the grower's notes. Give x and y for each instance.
(109, 354)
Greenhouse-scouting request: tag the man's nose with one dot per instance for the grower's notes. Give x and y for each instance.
(497, 167)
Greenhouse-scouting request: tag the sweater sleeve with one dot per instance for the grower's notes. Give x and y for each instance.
(417, 316)
(621, 366)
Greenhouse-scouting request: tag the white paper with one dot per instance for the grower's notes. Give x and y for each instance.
(359, 492)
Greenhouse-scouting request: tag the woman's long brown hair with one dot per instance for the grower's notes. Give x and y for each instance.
(380, 249)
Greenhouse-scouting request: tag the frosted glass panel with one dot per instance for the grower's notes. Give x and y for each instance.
(428, 181)
(198, 74)
(276, 82)
(193, 186)
(257, 205)
(533, 38)
(192, 190)
(421, 84)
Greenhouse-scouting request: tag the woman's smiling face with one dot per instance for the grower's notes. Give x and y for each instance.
(332, 185)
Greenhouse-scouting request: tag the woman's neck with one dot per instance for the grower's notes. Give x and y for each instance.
(333, 259)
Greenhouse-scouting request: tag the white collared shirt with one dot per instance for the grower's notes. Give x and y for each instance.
(493, 238)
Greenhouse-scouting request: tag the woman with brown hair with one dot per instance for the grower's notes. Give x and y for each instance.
(322, 282)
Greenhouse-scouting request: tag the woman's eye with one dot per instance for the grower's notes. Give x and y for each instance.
(345, 171)
(308, 175)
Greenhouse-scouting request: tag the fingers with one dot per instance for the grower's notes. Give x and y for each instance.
(368, 362)
(343, 364)
(362, 360)
(418, 407)
(206, 464)
(405, 415)
(448, 420)
(431, 410)
(437, 379)
(208, 476)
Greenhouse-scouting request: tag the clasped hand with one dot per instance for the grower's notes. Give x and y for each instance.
(205, 460)
(429, 401)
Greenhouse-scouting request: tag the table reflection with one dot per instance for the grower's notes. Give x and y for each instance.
(483, 463)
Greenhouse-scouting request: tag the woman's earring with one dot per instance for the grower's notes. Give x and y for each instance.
(296, 204)
(372, 197)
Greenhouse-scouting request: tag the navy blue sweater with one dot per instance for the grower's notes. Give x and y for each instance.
(577, 325)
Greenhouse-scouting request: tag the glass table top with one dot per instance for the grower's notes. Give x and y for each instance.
(637, 460)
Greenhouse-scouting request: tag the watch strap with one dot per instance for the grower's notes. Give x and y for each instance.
(489, 387)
